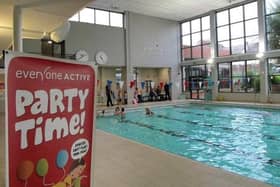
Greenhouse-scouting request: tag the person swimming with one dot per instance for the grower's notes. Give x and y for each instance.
(122, 113)
(117, 111)
(149, 112)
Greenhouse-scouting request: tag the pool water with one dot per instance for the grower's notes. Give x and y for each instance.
(245, 141)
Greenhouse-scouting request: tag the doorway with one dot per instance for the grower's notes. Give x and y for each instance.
(195, 79)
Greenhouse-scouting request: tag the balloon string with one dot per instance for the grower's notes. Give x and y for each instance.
(25, 185)
(44, 182)
(64, 172)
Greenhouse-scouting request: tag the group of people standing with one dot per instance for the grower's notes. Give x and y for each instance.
(121, 96)
(154, 95)
(158, 95)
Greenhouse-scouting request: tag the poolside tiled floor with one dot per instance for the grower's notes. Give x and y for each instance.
(122, 163)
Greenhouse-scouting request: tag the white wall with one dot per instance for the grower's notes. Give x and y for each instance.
(94, 38)
(154, 42)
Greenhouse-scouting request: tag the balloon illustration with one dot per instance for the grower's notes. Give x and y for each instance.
(42, 167)
(25, 169)
(62, 158)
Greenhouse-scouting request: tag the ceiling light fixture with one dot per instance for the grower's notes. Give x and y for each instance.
(210, 61)
(259, 55)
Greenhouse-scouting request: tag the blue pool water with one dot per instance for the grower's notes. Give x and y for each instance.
(241, 140)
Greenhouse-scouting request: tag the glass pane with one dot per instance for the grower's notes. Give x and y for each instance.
(206, 23)
(87, 15)
(253, 68)
(274, 66)
(237, 46)
(273, 41)
(196, 39)
(223, 33)
(239, 79)
(198, 70)
(251, 10)
(272, 6)
(206, 37)
(206, 51)
(253, 84)
(252, 27)
(236, 14)
(225, 85)
(186, 53)
(237, 30)
(252, 44)
(238, 69)
(196, 52)
(186, 41)
(224, 71)
(274, 74)
(102, 17)
(223, 48)
(116, 19)
(75, 17)
(186, 28)
(222, 18)
(195, 25)
(239, 84)
(273, 23)
(224, 77)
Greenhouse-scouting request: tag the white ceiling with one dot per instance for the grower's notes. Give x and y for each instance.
(45, 15)
(38, 16)
(169, 9)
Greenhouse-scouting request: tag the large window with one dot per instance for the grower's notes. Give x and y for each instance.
(224, 77)
(196, 38)
(274, 75)
(273, 24)
(239, 76)
(237, 30)
(101, 17)
(87, 15)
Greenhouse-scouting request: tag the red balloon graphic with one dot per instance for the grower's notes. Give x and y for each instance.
(25, 169)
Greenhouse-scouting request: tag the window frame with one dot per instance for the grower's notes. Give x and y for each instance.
(190, 34)
(94, 21)
(266, 15)
(269, 75)
(244, 37)
(246, 76)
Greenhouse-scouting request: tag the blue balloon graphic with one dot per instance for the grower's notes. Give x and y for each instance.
(62, 158)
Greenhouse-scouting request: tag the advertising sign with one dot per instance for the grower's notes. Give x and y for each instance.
(50, 122)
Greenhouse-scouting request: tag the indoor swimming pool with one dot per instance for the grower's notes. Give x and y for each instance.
(245, 141)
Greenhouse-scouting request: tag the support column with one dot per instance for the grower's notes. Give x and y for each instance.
(262, 47)
(129, 68)
(214, 71)
(17, 29)
(176, 80)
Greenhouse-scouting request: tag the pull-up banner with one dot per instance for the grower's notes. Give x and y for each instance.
(50, 122)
